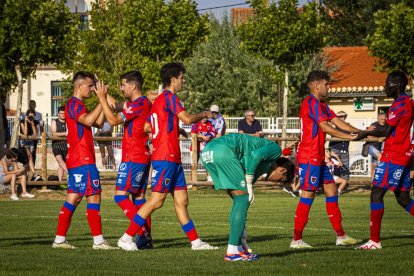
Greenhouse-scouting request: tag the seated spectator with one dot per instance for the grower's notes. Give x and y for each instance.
(29, 129)
(332, 161)
(217, 121)
(60, 148)
(10, 172)
(249, 125)
(106, 131)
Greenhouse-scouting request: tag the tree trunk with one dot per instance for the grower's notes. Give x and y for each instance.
(285, 106)
(412, 88)
(15, 132)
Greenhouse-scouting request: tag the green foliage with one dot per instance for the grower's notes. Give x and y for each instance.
(393, 39)
(222, 73)
(282, 33)
(33, 32)
(353, 20)
(137, 35)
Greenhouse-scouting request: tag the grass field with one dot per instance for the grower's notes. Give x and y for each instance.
(27, 230)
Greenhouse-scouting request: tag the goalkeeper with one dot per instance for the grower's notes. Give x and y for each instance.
(234, 162)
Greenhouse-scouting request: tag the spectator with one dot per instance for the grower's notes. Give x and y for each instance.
(29, 127)
(37, 117)
(375, 148)
(10, 172)
(60, 148)
(342, 150)
(217, 121)
(106, 131)
(249, 125)
(332, 161)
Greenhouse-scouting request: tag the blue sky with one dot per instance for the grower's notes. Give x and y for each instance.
(206, 4)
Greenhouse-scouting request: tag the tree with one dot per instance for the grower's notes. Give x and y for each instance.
(220, 72)
(32, 32)
(283, 33)
(138, 35)
(393, 40)
(353, 20)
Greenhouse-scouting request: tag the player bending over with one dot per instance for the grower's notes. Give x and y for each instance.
(235, 161)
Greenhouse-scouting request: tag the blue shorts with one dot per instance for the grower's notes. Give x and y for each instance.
(132, 177)
(311, 177)
(84, 180)
(167, 177)
(392, 177)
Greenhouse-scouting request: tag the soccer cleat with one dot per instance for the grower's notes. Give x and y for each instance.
(14, 197)
(241, 256)
(346, 240)
(104, 246)
(127, 246)
(28, 195)
(63, 245)
(204, 246)
(143, 242)
(370, 245)
(299, 244)
(286, 190)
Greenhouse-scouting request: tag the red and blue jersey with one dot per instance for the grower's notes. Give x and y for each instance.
(164, 127)
(205, 129)
(397, 147)
(311, 148)
(81, 150)
(134, 143)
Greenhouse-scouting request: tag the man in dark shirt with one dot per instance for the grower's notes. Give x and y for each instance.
(342, 150)
(249, 125)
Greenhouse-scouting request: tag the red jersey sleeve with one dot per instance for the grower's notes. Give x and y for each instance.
(132, 111)
(194, 128)
(397, 110)
(174, 104)
(76, 109)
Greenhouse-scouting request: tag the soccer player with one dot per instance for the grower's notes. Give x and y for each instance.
(235, 161)
(83, 176)
(168, 174)
(393, 170)
(315, 116)
(136, 158)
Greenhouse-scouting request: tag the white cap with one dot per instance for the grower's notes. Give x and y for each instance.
(214, 108)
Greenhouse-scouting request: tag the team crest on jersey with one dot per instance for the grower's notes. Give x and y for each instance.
(122, 167)
(313, 179)
(397, 174)
(95, 183)
(78, 177)
(138, 177)
(243, 183)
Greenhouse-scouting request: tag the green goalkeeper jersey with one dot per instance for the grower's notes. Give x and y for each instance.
(255, 154)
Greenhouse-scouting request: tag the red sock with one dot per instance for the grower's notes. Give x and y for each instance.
(410, 207)
(301, 217)
(377, 211)
(126, 205)
(190, 231)
(94, 218)
(65, 217)
(334, 215)
(136, 224)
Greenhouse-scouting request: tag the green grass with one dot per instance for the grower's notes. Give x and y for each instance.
(27, 230)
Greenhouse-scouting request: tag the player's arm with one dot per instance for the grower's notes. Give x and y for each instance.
(189, 119)
(147, 127)
(270, 151)
(385, 132)
(343, 125)
(324, 125)
(99, 122)
(113, 119)
(88, 119)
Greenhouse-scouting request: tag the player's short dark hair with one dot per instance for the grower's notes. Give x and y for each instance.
(61, 108)
(285, 163)
(134, 76)
(317, 75)
(400, 78)
(83, 75)
(171, 70)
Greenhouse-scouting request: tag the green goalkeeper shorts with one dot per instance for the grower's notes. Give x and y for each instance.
(224, 167)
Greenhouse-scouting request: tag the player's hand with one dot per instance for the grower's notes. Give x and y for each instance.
(360, 135)
(249, 184)
(101, 89)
